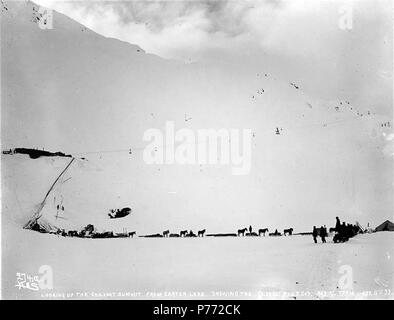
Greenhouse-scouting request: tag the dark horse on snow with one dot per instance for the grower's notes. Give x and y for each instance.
(183, 233)
(166, 233)
(201, 233)
(263, 231)
(288, 231)
(242, 232)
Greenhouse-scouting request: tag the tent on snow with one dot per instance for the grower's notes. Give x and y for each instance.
(385, 226)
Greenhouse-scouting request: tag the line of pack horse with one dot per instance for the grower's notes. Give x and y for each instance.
(90, 232)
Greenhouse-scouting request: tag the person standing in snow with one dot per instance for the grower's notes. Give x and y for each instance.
(323, 234)
(314, 234)
(337, 224)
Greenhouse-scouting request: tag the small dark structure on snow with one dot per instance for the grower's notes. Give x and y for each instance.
(385, 226)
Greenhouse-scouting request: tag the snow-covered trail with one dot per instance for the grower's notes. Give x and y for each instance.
(216, 267)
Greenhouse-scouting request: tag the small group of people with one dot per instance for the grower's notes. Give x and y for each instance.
(343, 232)
(322, 232)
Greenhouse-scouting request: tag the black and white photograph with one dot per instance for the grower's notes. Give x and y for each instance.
(197, 150)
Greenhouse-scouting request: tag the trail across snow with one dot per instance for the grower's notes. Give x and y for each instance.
(223, 268)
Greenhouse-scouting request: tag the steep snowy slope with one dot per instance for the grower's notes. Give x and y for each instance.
(70, 89)
(71, 203)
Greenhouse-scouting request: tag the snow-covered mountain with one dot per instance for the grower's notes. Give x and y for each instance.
(70, 89)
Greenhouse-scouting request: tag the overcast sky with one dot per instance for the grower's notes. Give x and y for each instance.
(347, 42)
(190, 29)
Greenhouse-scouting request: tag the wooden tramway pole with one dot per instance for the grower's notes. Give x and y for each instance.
(37, 215)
